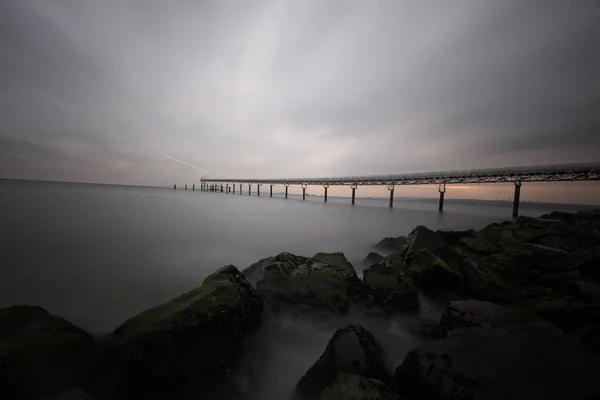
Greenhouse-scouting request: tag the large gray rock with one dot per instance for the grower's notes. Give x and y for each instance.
(483, 284)
(351, 351)
(337, 261)
(372, 258)
(478, 245)
(391, 287)
(422, 238)
(482, 314)
(307, 285)
(392, 243)
(193, 339)
(40, 354)
(532, 361)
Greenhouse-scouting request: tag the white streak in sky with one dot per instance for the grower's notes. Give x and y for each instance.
(179, 161)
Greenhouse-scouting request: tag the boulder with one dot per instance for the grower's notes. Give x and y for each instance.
(338, 261)
(478, 245)
(392, 243)
(590, 268)
(422, 238)
(390, 286)
(453, 237)
(193, 339)
(40, 354)
(482, 314)
(434, 274)
(531, 361)
(496, 232)
(355, 387)
(256, 271)
(351, 351)
(562, 311)
(305, 285)
(372, 258)
(484, 284)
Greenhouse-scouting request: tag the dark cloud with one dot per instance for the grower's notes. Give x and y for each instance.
(288, 88)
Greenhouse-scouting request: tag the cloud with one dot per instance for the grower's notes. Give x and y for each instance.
(287, 88)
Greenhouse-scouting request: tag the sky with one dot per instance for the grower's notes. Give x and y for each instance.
(150, 92)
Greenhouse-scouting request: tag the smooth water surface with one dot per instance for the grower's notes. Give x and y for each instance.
(99, 254)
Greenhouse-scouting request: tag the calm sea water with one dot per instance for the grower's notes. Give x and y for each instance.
(99, 254)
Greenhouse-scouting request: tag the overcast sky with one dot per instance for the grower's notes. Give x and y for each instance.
(122, 91)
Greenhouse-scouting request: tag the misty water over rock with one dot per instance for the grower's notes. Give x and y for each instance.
(489, 314)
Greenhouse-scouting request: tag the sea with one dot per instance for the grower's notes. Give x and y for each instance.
(99, 254)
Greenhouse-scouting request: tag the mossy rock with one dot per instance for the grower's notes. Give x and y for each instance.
(193, 339)
(433, 274)
(323, 284)
(352, 350)
(40, 354)
(390, 287)
(392, 243)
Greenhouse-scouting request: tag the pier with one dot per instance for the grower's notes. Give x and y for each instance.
(441, 179)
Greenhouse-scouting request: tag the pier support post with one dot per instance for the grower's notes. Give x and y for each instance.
(193, 187)
(353, 192)
(258, 189)
(271, 191)
(234, 188)
(303, 192)
(186, 186)
(516, 199)
(442, 189)
(326, 187)
(241, 189)
(174, 187)
(391, 189)
(226, 188)
(286, 190)
(249, 189)
(221, 188)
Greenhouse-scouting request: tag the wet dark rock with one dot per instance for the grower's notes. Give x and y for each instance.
(478, 245)
(192, 340)
(355, 387)
(483, 284)
(338, 261)
(391, 287)
(531, 361)
(590, 268)
(453, 237)
(433, 274)
(422, 238)
(482, 314)
(392, 243)
(306, 285)
(372, 258)
(351, 351)
(563, 311)
(40, 354)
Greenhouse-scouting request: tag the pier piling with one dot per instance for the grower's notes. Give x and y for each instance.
(353, 193)
(391, 189)
(286, 191)
(326, 187)
(271, 191)
(516, 199)
(303, 192)
(174, 187)
(442, 189)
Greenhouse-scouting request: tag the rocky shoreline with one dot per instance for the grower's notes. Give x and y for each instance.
(522, 322)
